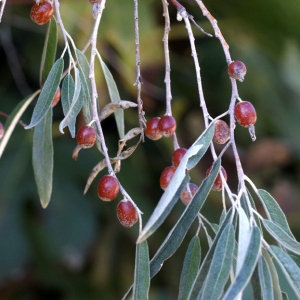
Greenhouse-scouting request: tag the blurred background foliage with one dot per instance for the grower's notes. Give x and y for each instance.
(76, 248)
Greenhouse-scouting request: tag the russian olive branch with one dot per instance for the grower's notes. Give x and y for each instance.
(139, 80)
(206, 115)
(94, 52)
(234, 96)
(66, 36)
(167, 79)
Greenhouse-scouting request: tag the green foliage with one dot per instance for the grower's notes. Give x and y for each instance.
(73, 247)
(42, 158)
(142, 272)
(114, 97)
(190, 267)
(72, 100)
(67, 94)
(47, 94)
(220, 265)
(49, 51)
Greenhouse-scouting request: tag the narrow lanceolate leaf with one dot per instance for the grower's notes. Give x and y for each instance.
(169, 197)
(289, 268)
(244, 238)
(13, 120)
(256, 289)
(75, 107)
(190, 268)
(86, 85)
(220, 266)
(42, 158)
(242, 278)
(178, 232)
(47, 94)
(114, 97)
(265, 279)
(274, 212)
(274, 275)
(49, 51)
(282, 237)
(141, 273)
(202, 272)
(67, 93)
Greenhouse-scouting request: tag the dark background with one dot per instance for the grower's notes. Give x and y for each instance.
(76, 248)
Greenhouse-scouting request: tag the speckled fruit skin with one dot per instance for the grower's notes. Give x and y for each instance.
(108, 188)
(237, 70)
(166, 176)
(151, 130)
(86, 137)
(56, 97)
(1, 131)
(167, 126)
(222, 132)
(185, 195)
(217, 186)
(177, 156)
(127, 213)
(41, 12)
(245, 113)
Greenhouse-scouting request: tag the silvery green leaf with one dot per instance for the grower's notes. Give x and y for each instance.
(220, 266)
(244, 275)
(190, 267)
(265, 279)
(74, 108)
(141, 273)
(274, 212)
(42, 158)
(205, 265)
(288, 266)
(47, 94)
(282, 237)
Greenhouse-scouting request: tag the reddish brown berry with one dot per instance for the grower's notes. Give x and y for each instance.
(222, 132)
(108, 188)
(166, 176)
(56, 97)
(95, 1)
(237, 70)
(217, 186)
(1, 131)
(151, 130)
(245, 113)
(127, 213)
(86, 136)
(41, 12)
(185, 196)
(167, 125)
(177, 156)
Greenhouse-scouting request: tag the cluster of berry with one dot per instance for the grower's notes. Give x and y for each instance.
(108, 186)
(157, 127)
(244, 111)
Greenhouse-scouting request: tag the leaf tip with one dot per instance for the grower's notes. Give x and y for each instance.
(44, 204)
(28, 127)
